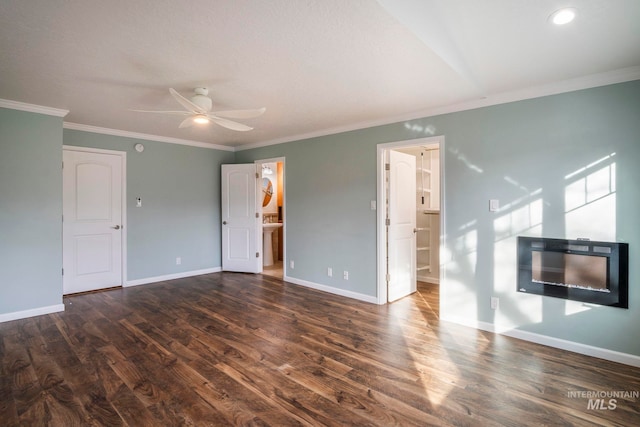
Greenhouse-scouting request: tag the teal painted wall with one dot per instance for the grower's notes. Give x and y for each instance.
(329, 183)
(30, 211)
(562, 166)
(180, 214)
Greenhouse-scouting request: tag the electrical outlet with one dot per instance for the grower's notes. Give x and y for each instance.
(139, 202)
(330, 272)
(291, 265)
(178, 261)
(345, 275)
(494, 303)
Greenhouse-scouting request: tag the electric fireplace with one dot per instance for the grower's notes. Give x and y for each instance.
(579, 270)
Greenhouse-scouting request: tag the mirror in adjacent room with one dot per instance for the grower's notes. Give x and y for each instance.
(270, 190)
(267, 191)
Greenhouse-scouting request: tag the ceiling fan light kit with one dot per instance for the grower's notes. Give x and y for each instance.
(201, 119)
(198, 111)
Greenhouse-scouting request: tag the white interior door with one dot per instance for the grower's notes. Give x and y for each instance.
(241, 238)
(92, 220)
(401, 253)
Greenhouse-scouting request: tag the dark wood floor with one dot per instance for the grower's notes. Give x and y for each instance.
(236, 349)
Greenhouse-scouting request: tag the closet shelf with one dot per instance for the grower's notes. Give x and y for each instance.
(423, 229)
(424, 248)
(424, 268)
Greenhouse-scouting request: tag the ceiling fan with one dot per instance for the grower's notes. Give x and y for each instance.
(198, 110)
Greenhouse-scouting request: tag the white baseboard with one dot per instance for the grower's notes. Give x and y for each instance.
(7, 317)
(184, 274)
(331, 290)
(588, 350)
(429, 279)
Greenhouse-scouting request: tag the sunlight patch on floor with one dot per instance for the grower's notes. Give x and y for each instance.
(437, 382)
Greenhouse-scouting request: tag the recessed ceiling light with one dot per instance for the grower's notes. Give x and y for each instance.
(563, 16)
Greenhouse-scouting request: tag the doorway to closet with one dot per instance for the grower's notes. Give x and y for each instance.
(410, 216)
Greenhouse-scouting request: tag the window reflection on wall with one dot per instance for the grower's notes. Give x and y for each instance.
(590, 200)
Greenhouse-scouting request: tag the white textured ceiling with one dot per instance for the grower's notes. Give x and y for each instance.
(316, 65)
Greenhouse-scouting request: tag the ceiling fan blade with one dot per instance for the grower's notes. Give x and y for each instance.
(187, 122)
(178, 113)
(194, 108)
(229, 124)
(240, 114)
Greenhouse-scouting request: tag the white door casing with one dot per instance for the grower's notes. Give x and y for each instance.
(241, 225)
(402, 225)
(92, 220)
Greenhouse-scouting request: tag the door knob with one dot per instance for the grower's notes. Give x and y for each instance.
(117, 227)
(224, 222)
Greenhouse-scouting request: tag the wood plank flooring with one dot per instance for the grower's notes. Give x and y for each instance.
(238, 349)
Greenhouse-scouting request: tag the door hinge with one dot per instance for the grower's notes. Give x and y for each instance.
(63, 271)
(257, 175)
(387, 221)
(257, 254)
(388, 278)
(257, 215)
(387, 166)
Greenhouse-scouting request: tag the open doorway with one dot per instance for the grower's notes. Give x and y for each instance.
(404, 262)
(272, 200)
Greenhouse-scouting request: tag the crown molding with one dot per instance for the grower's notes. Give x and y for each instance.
(555, 88)
(144, 136)
(32, 108)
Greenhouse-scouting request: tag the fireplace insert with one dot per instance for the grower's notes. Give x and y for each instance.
(579, 270)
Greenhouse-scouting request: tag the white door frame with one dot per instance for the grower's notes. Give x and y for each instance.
(381, 208)
(123, 156)
(284, 206)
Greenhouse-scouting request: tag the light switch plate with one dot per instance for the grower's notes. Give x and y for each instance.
(494, 205)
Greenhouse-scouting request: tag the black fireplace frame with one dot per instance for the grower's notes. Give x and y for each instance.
(617, 254)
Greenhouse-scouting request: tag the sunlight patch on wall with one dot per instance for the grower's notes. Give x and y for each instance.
(596, 221)
(515, 309)
(461, 157)
(515, 183)
(575, 307)
(522, 216)
(590, 201)
(465, 247)
(461, 254)
(458, 301)
(518, 220)
(426, 130)
(469, 225)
